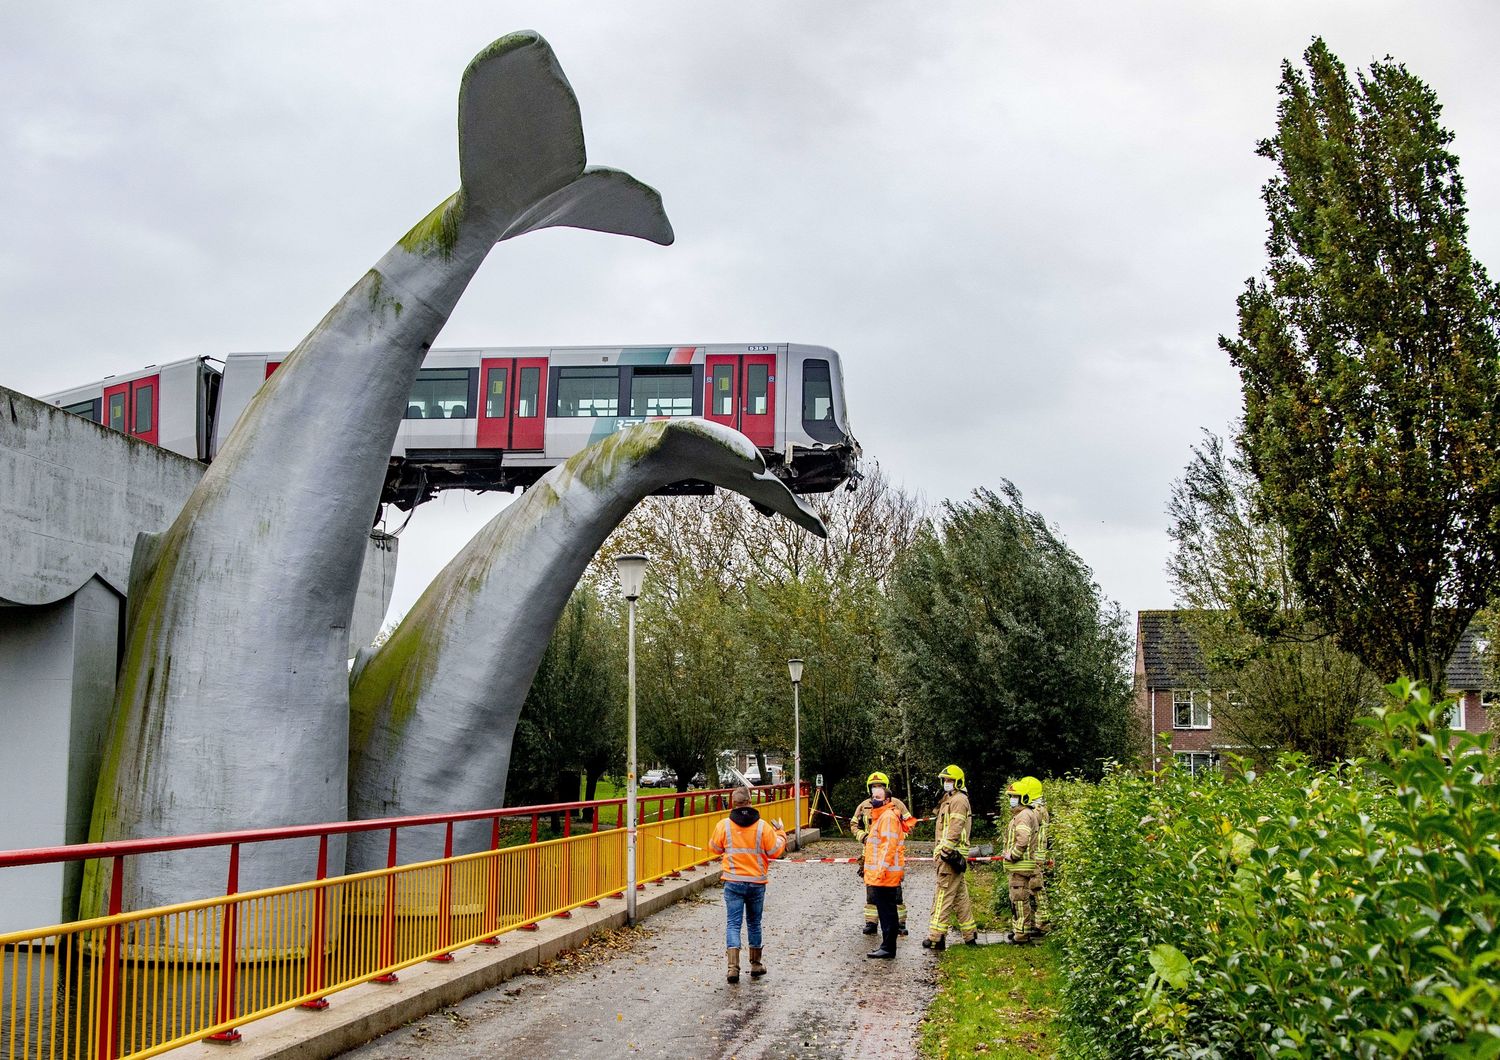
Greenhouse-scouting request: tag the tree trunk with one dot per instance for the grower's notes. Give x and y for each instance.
(760, 764)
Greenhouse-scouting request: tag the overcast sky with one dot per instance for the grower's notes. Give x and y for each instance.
(1022, 225)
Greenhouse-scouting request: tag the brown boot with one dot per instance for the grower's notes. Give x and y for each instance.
(734, 964)
(756, 968)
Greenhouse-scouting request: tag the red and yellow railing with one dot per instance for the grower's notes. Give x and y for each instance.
(138, 983)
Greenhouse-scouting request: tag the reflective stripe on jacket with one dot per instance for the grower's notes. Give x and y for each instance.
(885, 849)
(747, 851)
(1021, 840)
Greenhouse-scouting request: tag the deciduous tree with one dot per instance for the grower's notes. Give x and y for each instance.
(1292, 687)
(1011, 660)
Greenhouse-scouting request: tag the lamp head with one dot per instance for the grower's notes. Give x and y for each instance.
(632, 572)
(794, 667)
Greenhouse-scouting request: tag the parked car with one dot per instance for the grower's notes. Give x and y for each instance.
(654, 778)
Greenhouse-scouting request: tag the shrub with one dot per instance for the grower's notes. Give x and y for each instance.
(1304, 912)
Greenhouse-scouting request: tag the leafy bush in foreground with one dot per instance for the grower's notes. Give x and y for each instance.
(1303, 912)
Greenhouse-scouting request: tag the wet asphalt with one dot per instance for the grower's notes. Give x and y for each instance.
(659, 991)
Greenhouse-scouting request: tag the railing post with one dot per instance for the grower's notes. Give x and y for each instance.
(108, 1019)
(313, 982)
(567, 868)
(229, 946)
(492, 887)
(388, 916)
(445, 899)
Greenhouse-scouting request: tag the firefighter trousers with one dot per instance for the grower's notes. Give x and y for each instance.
(1024, 891)
(950, 904)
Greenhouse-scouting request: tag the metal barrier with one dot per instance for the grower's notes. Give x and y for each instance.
(135, 984)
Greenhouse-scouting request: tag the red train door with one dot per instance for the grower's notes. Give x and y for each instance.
(742, 394)
(117, 407)
(514, 391)
(145, 400)
(133, 408)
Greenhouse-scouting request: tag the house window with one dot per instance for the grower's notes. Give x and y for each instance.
(1195, 762)
(1190, 709)
(1456, 716)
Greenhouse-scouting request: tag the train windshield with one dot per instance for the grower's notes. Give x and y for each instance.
(817, 401)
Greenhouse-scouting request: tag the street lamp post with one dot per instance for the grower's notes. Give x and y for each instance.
(794, 667)
(632, 572)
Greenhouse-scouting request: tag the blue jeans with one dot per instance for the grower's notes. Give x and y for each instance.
(747, 900)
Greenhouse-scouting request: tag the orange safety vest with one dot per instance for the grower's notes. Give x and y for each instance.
(885, 851)
(747, 851)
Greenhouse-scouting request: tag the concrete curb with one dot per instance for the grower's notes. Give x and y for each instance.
(365, 1012)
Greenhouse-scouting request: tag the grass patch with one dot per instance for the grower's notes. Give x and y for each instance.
(609, 816)
(993, 1000)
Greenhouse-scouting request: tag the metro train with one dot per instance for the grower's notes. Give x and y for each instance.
(500, 418)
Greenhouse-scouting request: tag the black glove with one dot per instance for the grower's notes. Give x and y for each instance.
(954, 860)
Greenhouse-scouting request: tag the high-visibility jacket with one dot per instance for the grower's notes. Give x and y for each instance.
(865, 810)
(746, 850)
(1021, 837)
(953, 819)
(885, 846)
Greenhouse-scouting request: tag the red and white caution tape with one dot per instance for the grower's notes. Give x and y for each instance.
(819, 861)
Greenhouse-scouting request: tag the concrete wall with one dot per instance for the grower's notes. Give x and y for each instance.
(57, 665)
(74, 495)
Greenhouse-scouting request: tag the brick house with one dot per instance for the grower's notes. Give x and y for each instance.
(1172, 693)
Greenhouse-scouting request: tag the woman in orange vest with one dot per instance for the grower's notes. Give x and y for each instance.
(885, 866)
(747, 845)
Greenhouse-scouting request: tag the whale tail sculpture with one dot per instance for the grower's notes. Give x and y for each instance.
(434, 709)
(232, 709)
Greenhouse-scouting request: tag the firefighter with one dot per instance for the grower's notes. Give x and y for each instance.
(885, 866)
(950, 901)
(1022, 836)
(878, 785)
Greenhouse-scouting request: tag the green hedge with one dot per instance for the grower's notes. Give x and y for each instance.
(1301, 912)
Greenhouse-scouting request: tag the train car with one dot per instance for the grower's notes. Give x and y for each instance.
(499, 418)
(170, 405)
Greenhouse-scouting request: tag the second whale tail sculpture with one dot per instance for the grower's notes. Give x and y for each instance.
(232, 709)
(433, 710)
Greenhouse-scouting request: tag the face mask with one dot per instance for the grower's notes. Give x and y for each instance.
(947, 785)
(877, 792)
(1014, 802)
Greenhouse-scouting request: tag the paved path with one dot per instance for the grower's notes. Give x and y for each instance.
(660, 991)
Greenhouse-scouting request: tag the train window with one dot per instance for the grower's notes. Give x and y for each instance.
(143, 410)
(117, 412)
(83, 408)
(494, 393)
(723, 390)
(526, 399)
(439, 394)
(757, 390)
(661, 392)
(817, 392)
(588, 391)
